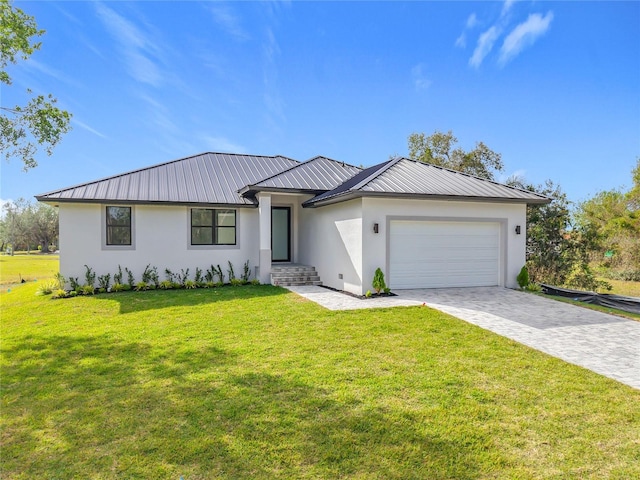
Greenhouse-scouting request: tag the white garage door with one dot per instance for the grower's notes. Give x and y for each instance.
(444, 254)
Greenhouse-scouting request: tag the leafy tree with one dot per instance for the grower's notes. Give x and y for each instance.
(609, 223)
(39, 122)
(440, 149)
(25, 225)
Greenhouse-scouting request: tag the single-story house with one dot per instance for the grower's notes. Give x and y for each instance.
(423, 225)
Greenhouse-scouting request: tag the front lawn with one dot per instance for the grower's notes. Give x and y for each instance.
(256, 382)
(25, 267)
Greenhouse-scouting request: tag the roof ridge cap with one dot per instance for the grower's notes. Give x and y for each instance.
(384, 166)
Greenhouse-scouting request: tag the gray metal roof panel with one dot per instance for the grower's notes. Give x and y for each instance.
(403, 176)
(209, 178)
(316, 174)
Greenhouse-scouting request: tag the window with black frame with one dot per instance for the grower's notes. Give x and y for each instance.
(213, 226)
(118, 226)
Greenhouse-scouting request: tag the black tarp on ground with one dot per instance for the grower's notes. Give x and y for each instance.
(627, 304)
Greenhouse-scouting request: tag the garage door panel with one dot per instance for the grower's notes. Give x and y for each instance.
(444, 254)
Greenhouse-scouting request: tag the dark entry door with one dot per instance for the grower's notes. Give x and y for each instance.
(281, 234)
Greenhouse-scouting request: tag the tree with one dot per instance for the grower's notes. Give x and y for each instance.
(610, 223)
(39, 122)
(25, 226)
(439, 149)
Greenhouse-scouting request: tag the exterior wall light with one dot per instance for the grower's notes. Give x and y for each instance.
(517, 229)
(375, 228)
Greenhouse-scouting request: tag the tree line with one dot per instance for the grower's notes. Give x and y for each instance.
(26, 226)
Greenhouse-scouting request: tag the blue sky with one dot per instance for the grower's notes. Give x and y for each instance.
(553, 86)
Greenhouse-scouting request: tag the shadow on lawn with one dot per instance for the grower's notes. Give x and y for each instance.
(157, 299)
(99, 406)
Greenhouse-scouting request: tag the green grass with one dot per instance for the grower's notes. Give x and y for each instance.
(621, 287)
(26, 267)
(255, 382)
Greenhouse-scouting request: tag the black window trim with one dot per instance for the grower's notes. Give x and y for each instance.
(214, 228)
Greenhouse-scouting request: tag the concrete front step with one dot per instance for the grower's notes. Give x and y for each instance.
(294, 275)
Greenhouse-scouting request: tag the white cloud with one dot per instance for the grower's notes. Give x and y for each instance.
(506, 6)
(223, 16)
(221, 144)
(484, 46)
(420, 80)
(86, 127)
(137, 47)
(524, 35)
(472, 21)
(461, 41)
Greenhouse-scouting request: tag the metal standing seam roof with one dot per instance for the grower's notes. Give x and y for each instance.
(318, 174)
(406, 177)
(208, 178)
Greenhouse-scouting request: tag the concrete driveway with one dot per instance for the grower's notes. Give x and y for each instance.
(606, 344)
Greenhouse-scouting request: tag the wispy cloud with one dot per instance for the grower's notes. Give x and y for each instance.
(86, 127)
(271, 95)
(51, 72)
(221, 144)
(506, 6)
(419, 76)
(141, 53)
(226, 19)
(484, 46)
(524, 35)
(472, 20)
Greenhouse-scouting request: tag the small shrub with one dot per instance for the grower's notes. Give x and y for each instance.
(118, 287)
(255, 281)
(72, 293)
(166, 285)
(246, 272)
(117, 277)
(209, 284)
(126, 287)
(210, 274)
(220, 274)
(102, 290)
(582, 277)
(75, 285)
(60, 280)
(368, 294)
(184, 275)
(198, 278)
(104, 281)
(534, 287)
(236, 282)
(140, 286)
(131, 281)
(89, 276)
(88, 290)
(190, 284)
(231, 273)
(47, 288)
(387, 290)
(147, 274)
(378, 281)
(523, 277)
(60, 293)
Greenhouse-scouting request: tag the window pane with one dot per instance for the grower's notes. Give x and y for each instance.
(225, 218)
(226, 235)
(201, 235)
(201, 217)
(118, 235)
(119, 216)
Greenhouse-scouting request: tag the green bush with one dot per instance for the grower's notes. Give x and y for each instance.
(378, 281)
(523, 277)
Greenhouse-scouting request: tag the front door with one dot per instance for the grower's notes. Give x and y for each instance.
(281, 234)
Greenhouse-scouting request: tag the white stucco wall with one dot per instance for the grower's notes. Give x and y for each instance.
(379, 210)
(331, 240)
(161, 235)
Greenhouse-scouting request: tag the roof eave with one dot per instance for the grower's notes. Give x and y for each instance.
(421, 196)
(103, 201)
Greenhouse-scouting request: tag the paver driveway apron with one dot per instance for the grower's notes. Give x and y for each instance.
(606, 344)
